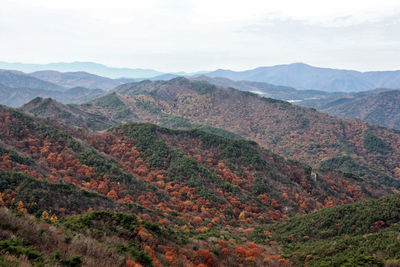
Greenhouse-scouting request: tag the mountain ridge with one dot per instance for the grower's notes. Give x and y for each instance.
(147, 192)
(91, 67)
(18, 88)
(76, 79)
(305, 77)
(380, 109)
(292, 131)
(298, 75)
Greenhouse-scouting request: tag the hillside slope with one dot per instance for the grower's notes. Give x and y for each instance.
(77, 79)
(191, 184)
(17, 79)
(365, 233)
(382, 108)
(270, 90)
(68, 114)
(215, 169)
(295, 132)
(18, 88)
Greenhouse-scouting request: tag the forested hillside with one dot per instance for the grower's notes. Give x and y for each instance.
(365, 233)
(380, 107)
(303, 134)
(205, 193)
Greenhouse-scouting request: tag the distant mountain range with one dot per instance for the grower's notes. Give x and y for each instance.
(17, 79)
(286, 93)
(95, 68)
(379, 106)
(374, 106)
(305, 77)
(74, 79)
(297, 75)
(18, 88)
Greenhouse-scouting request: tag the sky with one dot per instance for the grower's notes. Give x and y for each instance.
(188, 35)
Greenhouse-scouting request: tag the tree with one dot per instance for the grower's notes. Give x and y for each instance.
(45, 215)
(53, 218)
(21, 207)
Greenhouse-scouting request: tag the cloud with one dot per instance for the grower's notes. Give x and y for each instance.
(174, 35)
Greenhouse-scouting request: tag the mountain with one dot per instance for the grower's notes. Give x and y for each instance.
(295, 132)
(297, 75)
(95, 68)
(151, 195)
(17, 79)
(306, 77)
(365, 233)
(269, 90)
(77, 79)
(16, 97)
(380, 107)
(18, 88)
(165, 77)
(69, 114)
(128, 80)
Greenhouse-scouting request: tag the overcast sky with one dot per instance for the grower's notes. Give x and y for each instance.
(185, 35)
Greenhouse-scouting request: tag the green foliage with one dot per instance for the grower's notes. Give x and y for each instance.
(373, 144)
(175, 122)
(347, 235)
(75, 261)
(261, 185)
(50, 195)
(101, 223)
(41, 108)
(134, 250)
(88, 221)
(352, 219)
(345, 164)
(104, 166)
(110, 101)
(148, 106)
(121, 113)
(17, 248)
(176, 163)
(243, 151)
(352, 169)
(15, 157)
(201, 87)
(36, 100)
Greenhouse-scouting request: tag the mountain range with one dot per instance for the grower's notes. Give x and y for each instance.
(297, 75)
(17, 79)
(147, 192)
(305, 77)
(77, 79)
(95, 68)
(102, 183)
(18, 88)
(286, 93)
(142, 194)
(295, 132)
(379, 106)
